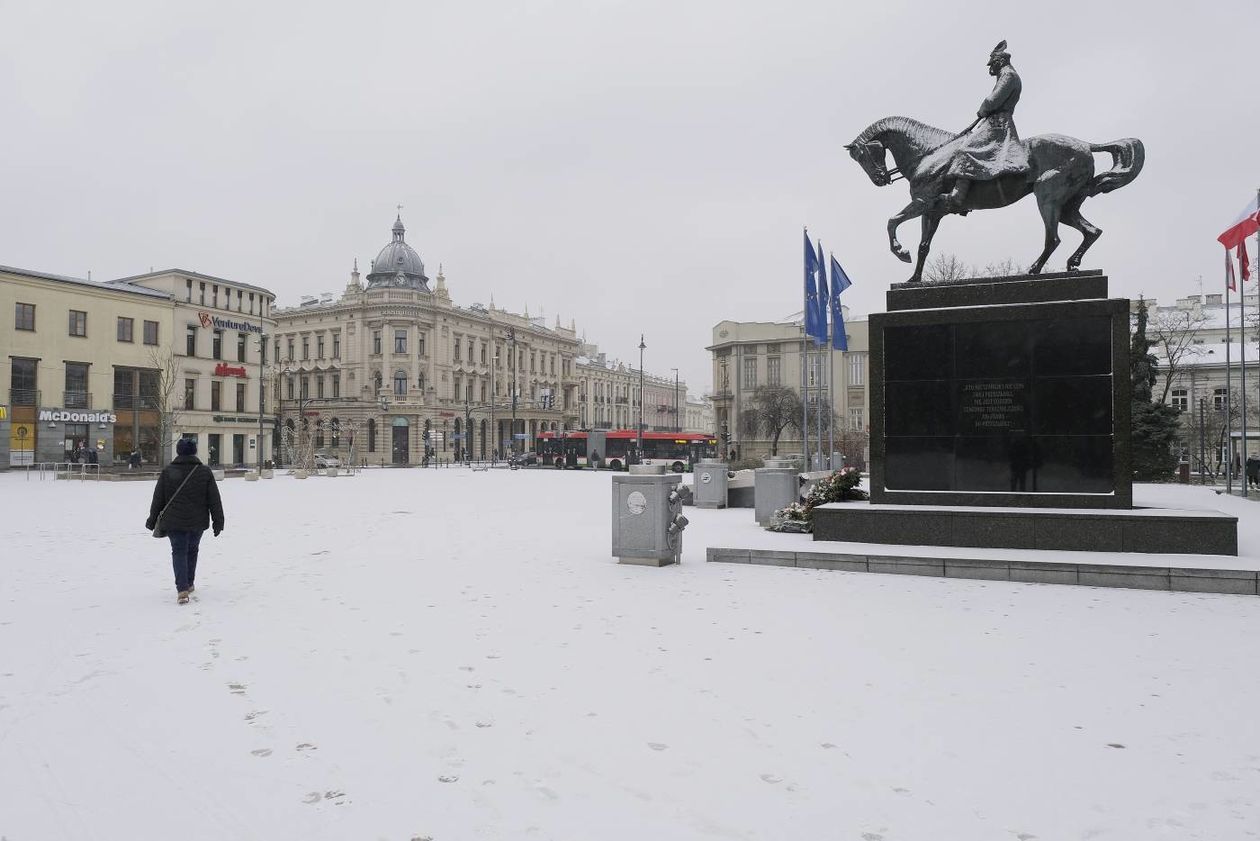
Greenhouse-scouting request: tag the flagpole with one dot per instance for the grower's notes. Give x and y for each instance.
(831, 394)
(1242, 360)
(1229, 382)
(821, 364)
(805, 340)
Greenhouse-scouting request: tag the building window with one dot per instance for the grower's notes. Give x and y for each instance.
(24, 317)
(76, 396)
(857, 422)
(774, 374)
(214, 301)
(216, 346)
(240, 347)
(190, 394)
(400, 341)
(1218, 399)
(262, 351)
(188, 293)
(420, 344)
(290, 357)
(1180, 399)
(750, 373)
(400, 383)
(306, 348)
(78, 323)
(23, 389)
(305, 385)
(150, 332)
(190, 341)
(336, 346)
(251, 303)
(857, 369)
(216, 396)
(483, 353)
(126, 329)
(202, 285)
(376, 342)
(319, 346)
(371, 435)
(238, 300)
(336, 385)
(377, 379)
(457, 345)
(289, 387)
(319, 386)
(240, 397)
(470, 350)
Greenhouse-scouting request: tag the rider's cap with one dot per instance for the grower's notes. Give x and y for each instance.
(999, 53)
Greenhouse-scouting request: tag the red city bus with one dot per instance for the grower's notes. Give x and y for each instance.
(677, 450)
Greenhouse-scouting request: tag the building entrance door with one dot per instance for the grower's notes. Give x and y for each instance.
(238, 449)
(214, 449)
(402, 441)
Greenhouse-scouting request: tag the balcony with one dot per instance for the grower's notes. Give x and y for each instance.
(76, 399)
(24, 397)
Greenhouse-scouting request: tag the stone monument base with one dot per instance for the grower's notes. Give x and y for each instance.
(1150, 530)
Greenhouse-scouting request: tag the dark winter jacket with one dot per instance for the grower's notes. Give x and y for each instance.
(195, 506)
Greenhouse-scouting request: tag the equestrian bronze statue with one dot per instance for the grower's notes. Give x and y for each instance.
(988, 166)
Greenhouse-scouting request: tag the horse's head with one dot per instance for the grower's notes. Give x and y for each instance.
(871, 156)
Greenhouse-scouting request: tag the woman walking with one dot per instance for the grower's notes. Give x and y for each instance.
(185, 502)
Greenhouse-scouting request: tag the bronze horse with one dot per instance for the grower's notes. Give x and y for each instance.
(1061, 176)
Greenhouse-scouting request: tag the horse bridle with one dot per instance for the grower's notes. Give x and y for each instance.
(867, 160)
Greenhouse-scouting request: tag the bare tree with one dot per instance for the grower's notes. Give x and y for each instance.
(168, 400)
(1002, 268)
(944, 268)
(773, 409)
(1173, 332)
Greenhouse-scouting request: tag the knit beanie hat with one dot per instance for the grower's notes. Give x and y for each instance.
(186, 447)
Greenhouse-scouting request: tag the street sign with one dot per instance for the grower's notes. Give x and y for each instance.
(521, 436)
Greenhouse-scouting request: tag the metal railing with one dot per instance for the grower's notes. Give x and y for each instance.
(76, 399)
(24, 397)
(63, 470)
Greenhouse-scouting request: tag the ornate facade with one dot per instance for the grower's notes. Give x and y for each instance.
(394, 371)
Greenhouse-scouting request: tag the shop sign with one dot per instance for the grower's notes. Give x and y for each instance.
(61, 415)
(4, 412)
(230, 419)
(209, 320)
(225, 370)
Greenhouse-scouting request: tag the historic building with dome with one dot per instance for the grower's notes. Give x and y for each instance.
(397, 366)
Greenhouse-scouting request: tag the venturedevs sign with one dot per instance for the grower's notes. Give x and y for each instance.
(219, 323)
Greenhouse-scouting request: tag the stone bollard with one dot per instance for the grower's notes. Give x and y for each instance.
(300, 474)
(774, 488)
(647, 520)
(710, 486)
(647, 470)
(268, 473)
(219, 474)
(330, 471)
(251, 475)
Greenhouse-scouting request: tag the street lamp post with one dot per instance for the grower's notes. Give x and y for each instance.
(677, 420)
(639, 438)
(262, 360)
(512, 360)
(494, 396)
(382, 400)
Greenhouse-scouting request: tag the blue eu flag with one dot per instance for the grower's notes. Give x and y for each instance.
(839, 282)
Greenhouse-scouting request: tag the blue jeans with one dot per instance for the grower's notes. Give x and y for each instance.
(184, 546)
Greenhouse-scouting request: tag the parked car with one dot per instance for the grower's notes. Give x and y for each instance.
(323, 460)
(527, 458)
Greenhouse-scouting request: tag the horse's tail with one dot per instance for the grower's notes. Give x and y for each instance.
(1127, 157)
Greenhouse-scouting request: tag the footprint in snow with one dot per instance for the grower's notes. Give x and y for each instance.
(484, 724)
(772, 779)
(659, 746)
(448, 778)
(236, 688)
(261, 752)
(306, 746)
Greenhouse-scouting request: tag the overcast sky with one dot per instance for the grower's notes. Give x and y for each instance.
(637, 166)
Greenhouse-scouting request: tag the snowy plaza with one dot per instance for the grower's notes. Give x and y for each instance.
(452, 654)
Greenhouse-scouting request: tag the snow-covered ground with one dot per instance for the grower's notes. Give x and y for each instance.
(454, 655)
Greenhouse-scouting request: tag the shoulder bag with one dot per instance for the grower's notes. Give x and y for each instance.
(158, 531)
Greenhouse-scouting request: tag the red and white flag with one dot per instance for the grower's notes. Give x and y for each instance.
(1247, 223)
(1244, 265)
(1230, 284)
